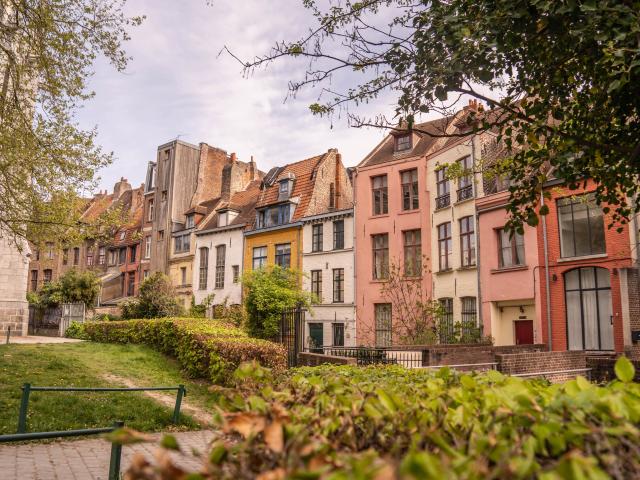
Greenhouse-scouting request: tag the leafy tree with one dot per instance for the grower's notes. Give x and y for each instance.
(157, 298)
(72, 287)
(561, 78)
(47, 51)
(269, 291)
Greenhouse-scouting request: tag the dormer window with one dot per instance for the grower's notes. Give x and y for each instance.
(274, 216)
(284, 187)
(122, 235)
(403, 143)
(190, 221)
(223, 219)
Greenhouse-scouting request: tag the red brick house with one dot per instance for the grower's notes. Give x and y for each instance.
(583, 274)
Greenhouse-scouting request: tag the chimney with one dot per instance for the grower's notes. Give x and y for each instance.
(233, 157)
(337, 190)
(120, 187)
(253, 171)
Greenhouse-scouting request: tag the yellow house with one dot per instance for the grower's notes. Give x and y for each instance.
(281, 246)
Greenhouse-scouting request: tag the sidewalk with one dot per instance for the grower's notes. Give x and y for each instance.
(32, 339)
(88, 459)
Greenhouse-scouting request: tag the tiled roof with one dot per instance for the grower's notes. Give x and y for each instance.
(431, 139)
(303, 184)
(244, 202)
(97, 206)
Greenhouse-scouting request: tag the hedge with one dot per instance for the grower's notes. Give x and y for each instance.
(204, 348)
(393, 423)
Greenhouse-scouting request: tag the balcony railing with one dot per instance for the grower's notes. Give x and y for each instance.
(465, 193)
(443, 201)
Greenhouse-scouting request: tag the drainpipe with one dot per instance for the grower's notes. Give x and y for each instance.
(546, 273)
(354, 177)
(478, 256)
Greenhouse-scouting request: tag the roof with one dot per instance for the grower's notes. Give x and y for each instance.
(303, 172)
(244, 202)
(430, 139)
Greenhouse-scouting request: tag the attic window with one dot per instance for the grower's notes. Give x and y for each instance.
(223, 219)
(284, 186)
(190, 221)
(122, 235)
(403, 143)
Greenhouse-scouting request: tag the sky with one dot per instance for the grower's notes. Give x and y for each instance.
(178, 85)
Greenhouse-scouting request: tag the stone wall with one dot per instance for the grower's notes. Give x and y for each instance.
(465, 354)
(538, 362)
(314, 359)
(14, 310)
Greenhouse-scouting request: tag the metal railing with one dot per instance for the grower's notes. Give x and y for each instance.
(27, 388)
(116, 448)
(407, 357)
(587, 371)
(465, 193)
(443, 201)
(472, 366)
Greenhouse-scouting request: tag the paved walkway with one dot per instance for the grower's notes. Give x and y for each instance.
(88, 459)
(31, 339)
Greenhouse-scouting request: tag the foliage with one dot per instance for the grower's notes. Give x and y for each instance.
(269, 291)
(156, 298)
(105, 317)
(47, 161)
(560, 77)
(396, 423)
(204, 348)
(72, 287)
(76, 330)
(200, 310)
(464, 332)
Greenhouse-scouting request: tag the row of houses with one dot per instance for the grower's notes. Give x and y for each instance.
(204, 218)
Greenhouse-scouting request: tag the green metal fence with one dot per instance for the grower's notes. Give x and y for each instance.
(116, 448)
(27, 388)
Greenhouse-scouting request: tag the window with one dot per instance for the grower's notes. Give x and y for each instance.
(380, 196)
(581, 226)
(191, 221)
(123, 280)
(412, 253)
(316, 284)
(147, 247)
(131, 284)
(49, 246)
(465, 182)
(316, 237)
(284, 187)
(164, 196)
(338, 285)
(382, 312)
(236, 273)
(150, 210)
(122, 255)
(338, 234)
(259, 257)
(113, 257)
(274, 216)
(511, 251)
(332, 196)
(133, 252)
(380, 256)
(338, 334)
(182, 243)
(183, 276)
(90, 257)
(145, 274)
(445, 327)
(34, 280)
(204, 268)
(123, 234)
(409, 180)
(443, 198)
(102, 255)
(283, 255)
(220, 261)
(589, 312)
(467, 242)
(160, 235)
(469, 313)
(47, 276)
(65, 256)
(403, 143)
(76, 256)
(444, 246)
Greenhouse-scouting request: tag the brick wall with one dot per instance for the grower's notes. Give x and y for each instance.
(602, 368)
(315, 359)
(534, 362)
(633, 287)
(465, 354)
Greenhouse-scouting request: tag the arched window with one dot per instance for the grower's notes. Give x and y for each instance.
(589, 317)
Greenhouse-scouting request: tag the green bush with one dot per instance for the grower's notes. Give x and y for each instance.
(156, 298)
(397, 423)
(72, 287)
(204, 348)
(76, 330)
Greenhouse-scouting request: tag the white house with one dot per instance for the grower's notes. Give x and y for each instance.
(328, 266)
(219, 248)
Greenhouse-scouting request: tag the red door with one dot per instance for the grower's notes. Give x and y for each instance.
(524, 332)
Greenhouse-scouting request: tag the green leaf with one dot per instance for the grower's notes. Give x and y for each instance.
(625, 371)
(169, 442)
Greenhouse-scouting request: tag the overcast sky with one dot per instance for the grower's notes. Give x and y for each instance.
(178, 85)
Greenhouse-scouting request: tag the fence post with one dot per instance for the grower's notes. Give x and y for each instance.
(176, 410)
(116, 456)
(24, 405)
(8, 334)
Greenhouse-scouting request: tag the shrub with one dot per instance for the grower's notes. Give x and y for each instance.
(396, 423)
(72, 287)
(204, 348)
(76, 330)
(157, 298)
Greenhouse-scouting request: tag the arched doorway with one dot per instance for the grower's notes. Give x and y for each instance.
(589, 312)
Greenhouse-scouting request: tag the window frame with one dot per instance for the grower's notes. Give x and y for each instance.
(412, 252)
(467, 235)
(338, 285)
(382, 249)
(445, 240)
(336, 327)
(512, 247)
(262, 259)
(203, 272)
(380, 195)
(317, 233)
(338, 235)
(235, 269)
(590, 206)
(383, 326)
(469, 309)
(221, 253)
(410, 190)
(283, 258)
(405, 141)
(316, 284)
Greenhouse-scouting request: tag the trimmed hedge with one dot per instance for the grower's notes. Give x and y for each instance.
(209, 349)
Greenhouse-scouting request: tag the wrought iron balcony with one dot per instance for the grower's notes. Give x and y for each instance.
(465, 193)
(443, 201)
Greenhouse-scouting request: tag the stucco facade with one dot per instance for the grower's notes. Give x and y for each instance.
(290, 234)
(329, 264)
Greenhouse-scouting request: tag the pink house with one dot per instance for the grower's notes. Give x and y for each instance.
(392, 225)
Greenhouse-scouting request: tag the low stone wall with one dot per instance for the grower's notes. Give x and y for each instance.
(602, 368)
(307, 359)
(465, 354)
(539, 362)
(14, 316)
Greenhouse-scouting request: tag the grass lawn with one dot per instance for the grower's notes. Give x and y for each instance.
(85, 365)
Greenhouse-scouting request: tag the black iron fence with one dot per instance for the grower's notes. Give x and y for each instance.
(407, 357)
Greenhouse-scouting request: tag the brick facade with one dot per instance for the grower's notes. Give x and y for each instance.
(537, 362)
(468, 354)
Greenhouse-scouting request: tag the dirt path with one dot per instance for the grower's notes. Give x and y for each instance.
(168, 399)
